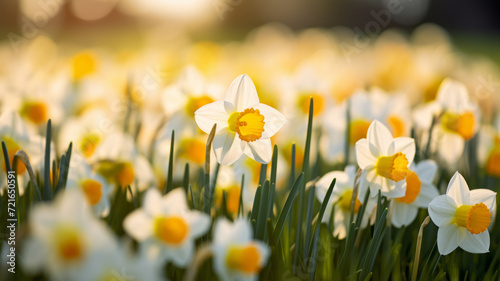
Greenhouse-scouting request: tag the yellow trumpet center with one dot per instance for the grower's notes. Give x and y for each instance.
(346, 200)
(397, 126)
(318, 103)
(249, 124)
(232, 198)
(475, 218)
(195, 103)
(461, 124)
(244, 258)
(393, 167)
(193, 150)
(89, 143)
(92, 190)
(121, 173)
(413, 185)
(172, 230)
(83, 64)
(358, 129)
(12, 149)
(35, 112)
(69, 244)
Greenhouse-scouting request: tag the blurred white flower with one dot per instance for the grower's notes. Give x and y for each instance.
(66, 242)
(244, 126)
(341, 200)
(384, 160)
(463, 217)
(165, 226)
(236, 255)
(419, 193)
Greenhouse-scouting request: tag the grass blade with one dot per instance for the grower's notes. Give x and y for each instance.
(169, 185)
(47, 189)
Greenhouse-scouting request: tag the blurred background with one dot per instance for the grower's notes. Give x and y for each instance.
(474, 25)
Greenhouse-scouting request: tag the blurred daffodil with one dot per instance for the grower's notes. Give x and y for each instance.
(419, 193)
(463, 217)
(165, 226)
(385, 161)
(244, 125)
(236, 255)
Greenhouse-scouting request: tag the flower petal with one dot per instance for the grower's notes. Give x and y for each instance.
(152, 202)
(138, 225)
(273, 120)
(210, 114)
(364, 154)
(485, 196)
(447, 238)
(450, 147)
(427, 193)
(404, 145)
(403, 214)
(379, 135)
(199, 223)
(242, 93)
(181, 256)
(260, 150)
(442, 210)
(174, 201)
(426, 171)
(227, 147)
(476, 243)
(458, 189)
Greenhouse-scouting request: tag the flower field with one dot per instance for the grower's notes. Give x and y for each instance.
(284, 155)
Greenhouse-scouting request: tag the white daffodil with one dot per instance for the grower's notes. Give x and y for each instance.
(244, 125)
(66, 242)
(341, 200)
(236, 255)
(384, 160)
(95, 188)
(419, 193)
(489, 148)
(166, 227)
(463, 217)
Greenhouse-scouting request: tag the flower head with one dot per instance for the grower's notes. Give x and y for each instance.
(166, 227)
(236, 255)
(244, 125)
(463, 217)
(385, 161)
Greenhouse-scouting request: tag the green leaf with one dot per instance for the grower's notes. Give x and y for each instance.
(263, 211)
(47, 189)
(169, 185)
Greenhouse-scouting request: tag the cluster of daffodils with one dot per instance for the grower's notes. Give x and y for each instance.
(158, 158)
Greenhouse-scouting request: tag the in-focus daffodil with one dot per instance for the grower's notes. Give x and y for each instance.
(244, 125)
(385, 161)
(463, 217)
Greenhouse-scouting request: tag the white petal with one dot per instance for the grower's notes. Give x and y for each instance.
(453, 95)
(273, 120)
(364, 155)
(199, 223)
(264, 252)
(138, 225)
(393, 189)
(152, 202)
(227, 147)
(34, 254)
(404, 145)
(447, 239)
(403, 214)
(210, 114)
(485, 196)
(174, 201)
(458, 189)
(442, 210)
(181, 256)
(242, 93)
(450, 147)
(340, 223)
(476, 243)
(426, 170)
(260, 150)
(379, 135)
(427, 193)
(324, 183)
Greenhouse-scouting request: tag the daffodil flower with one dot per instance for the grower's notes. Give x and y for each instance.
(385, 161)
(244, 125)
(236, 255)
(341, 200)
(463, 217)
(166, 227)
(66, 241)
(419, 193)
